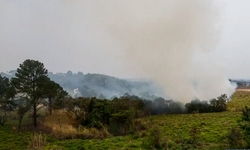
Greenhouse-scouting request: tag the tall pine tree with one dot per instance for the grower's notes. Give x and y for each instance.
(29, 83)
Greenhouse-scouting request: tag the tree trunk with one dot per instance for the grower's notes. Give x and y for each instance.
(34, 115)
(20, 122)
(50, 106)
(3, 119)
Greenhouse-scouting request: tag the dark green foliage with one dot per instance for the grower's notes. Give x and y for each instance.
(219, 104)
(124, 111)
(117, 114)
(7, 93)
(99, 113)
(22, 109)
(54, 94)
(78, 108)
(122, 121)
(215, 105)
(161, 106)
(198, 106)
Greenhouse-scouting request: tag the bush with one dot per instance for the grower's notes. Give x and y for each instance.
(137, 126)
(121, 122)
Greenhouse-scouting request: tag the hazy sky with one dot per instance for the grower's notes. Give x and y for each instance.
(64, 35)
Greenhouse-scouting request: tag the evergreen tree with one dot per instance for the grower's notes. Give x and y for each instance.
(29, 83)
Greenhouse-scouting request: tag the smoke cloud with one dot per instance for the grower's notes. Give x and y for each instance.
(164, 38)
(169, 41)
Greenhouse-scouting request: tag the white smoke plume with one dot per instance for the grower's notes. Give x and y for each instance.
(163, 39)
(76, 91)
(169, 41)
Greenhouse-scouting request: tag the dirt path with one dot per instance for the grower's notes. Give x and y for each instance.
(243, 90)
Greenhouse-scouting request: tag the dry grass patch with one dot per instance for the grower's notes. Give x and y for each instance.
(60, 126)
(37, 142)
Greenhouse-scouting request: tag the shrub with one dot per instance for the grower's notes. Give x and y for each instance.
(121, 122)
(137, 126)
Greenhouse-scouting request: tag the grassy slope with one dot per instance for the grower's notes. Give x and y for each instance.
(239, 100)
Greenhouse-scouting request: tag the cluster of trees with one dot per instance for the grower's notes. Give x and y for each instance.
(161, 106)
(29, 89)
(218, 104)
(117, 114)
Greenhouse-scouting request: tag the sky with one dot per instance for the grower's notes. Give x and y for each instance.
(74, 35)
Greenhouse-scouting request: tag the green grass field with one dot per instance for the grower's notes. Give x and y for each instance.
(214, 128)
(175, 131)
(10, 139)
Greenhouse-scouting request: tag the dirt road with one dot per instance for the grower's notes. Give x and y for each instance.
(243, 90)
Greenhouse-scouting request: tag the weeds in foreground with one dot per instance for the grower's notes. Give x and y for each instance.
(37, 142)
(195, 136)
(156, 139)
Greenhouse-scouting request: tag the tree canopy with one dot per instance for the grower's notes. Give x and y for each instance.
(54, 94)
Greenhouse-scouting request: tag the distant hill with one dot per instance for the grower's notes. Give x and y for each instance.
(102, 86)
(242, 84)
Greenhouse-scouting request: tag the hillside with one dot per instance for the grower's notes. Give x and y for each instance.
(102, 86)
(239, 100)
